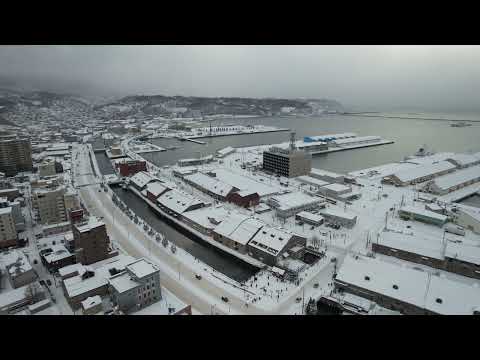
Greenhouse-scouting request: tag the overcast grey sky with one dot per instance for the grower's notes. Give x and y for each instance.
(430, 77)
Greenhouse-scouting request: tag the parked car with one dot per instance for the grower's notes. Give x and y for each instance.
(298, 299)
(198, 277)
(224, 298)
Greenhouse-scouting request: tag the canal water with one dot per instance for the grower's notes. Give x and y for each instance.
(226, 264)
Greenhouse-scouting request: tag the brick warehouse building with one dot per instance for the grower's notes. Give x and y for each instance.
(131, 167)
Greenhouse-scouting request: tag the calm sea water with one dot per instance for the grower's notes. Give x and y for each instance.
(408, 134)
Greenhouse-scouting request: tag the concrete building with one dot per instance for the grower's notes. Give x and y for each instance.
(244, 198)
(289, 163)
(15, 156)
(18, 269)
(18, 218)
(423, 215)
(270, 243)
(287, 205)
(57, 228)
(340, 192)
(8, 231)
(10, 193)
(419, 174)
(47, 168)
(49, 204)
(137, 287)
(91, 241)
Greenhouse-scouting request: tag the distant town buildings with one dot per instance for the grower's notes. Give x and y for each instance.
(15, 155)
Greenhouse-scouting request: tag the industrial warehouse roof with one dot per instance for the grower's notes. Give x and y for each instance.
(210, 184)
(422, 171)
(238, 227)
(464, 159)
(337, 188)
(338, 213)
(459, 177)
(242, 182)
(225, 151)
(413, 244)
(434, 293)
(142, 178)
(207, 217)
(294, 200)
(310, 216)
(423, 212)
(321, 172)
(469, 254)
(270, 240)
(473, 212)
(312, 181)
(156, 188)
(178, 201)
(430, 159)
(357, 140)
(331, 137)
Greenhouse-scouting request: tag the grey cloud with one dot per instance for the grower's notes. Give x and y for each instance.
(373, 77)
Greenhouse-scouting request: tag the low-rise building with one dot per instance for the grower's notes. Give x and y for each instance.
(287, 162)
(140, 180)
(410, 291)
(463, 160)
(176, 203)
(18, 269)
(236, 230)
(343, 218)
(57, 256)
(327, 176)
(289, 204)
(92, 305)
(270, 243)
(244, 198)
(420, 173)
(138, 286)
(210, 185)
(457, 180)
(154, 190)
(468, 217)
(309, 218)
(57, 228)
(131, 167)
(423, 215)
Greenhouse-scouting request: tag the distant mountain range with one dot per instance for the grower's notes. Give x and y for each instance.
(163, 105)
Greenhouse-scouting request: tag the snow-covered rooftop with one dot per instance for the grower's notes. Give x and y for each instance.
(310, 216)
(156, 188)
(91, 301)
(423, 212)
(242, 182)
(142, 268)
(312, 181)
(293, 200)
(414, 244)
(337, 188)
(457, 178)
(178, 201)
(92, 223)
(321, 172)
(238, 227)
(208, 217)
(354, 140)
(462, 252)
(463, 159)
(142, 178)
(270, 240)
(423, 170)
(338, 213)
(210, 184)
(59, 252)
(123, 282)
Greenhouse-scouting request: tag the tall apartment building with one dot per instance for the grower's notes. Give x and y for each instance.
(49, 204)
(8, 231)
(91, 241)
(289, 162)
(15, 156)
